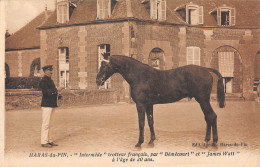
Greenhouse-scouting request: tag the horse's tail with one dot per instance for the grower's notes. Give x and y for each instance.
(220, 88)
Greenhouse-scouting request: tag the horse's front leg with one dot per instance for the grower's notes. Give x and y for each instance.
(149, 114)
(141, 117)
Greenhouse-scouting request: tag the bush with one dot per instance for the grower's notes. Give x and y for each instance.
(22, 83)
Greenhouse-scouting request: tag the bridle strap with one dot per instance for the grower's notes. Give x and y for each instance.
(105, 60)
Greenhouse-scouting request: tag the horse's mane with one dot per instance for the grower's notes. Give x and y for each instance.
(131, 60)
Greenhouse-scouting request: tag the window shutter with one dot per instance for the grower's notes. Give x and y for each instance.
(100, 7)
(109, 8)
(226, 63)
(196, 58)
(232, 16)
(162, 10)
(59, 14)
(218, 16)
(106, 8)
(187, 13)
(201, 19)
(153, 9)
(65, 13)
(189, 56)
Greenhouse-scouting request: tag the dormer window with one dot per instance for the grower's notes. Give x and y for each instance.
(191, 13)
(62, 11)
(103, 9)
(158, 9)
(225, 16)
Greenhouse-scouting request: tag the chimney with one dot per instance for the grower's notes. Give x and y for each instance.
(46, 13)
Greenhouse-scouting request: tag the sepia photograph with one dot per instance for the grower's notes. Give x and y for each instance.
(155, 83)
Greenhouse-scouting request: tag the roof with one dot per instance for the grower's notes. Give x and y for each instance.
(28, 37)
(245, 11)
(86, 10)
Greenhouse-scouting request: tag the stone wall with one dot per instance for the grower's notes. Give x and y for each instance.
(27, 99)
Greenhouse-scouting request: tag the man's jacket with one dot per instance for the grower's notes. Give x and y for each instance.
(49, 92)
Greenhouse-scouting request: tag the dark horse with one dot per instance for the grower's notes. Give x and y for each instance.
(150, 86)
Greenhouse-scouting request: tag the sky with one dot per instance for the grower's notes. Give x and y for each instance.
(19, 12)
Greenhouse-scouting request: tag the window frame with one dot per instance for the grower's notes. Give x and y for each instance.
(231, 18)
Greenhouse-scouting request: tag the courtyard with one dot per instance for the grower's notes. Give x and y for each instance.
(105, 135)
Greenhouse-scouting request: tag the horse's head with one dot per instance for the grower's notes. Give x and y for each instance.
(105, 71)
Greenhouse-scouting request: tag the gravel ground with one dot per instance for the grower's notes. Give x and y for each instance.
(108, 129)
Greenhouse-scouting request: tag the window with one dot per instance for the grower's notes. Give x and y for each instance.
(35, 68)
(103, 9)
(62, 11)
(104, 49)
(226, 63)
(191, 13)
(225, 16)
(36, 71)
(194, 14)
(158, 9)
(193, 55)
(64, 66)
(156, 59)
(226, 69)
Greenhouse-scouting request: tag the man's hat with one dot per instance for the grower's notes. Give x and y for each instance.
(47, 67)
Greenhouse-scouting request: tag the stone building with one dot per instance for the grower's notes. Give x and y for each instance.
(165, 34)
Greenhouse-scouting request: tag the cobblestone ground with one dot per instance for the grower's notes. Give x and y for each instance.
(114, 129)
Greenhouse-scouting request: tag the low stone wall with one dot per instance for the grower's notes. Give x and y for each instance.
(28, 99)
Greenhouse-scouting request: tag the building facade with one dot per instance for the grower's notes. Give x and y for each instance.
(166, 34)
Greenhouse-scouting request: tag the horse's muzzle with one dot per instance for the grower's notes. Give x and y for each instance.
(100, 82)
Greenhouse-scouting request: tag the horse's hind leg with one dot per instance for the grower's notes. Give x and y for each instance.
(213, 122)
(211, 119)
(149, 114)
(208, 128)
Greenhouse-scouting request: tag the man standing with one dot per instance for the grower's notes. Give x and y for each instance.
(49, 102)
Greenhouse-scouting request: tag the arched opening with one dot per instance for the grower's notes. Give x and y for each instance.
(156, 59)
(35, 69)
(228, 62)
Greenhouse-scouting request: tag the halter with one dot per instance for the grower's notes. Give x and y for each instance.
(105, 60)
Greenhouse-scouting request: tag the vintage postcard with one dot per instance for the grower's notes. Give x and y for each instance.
(130, 83)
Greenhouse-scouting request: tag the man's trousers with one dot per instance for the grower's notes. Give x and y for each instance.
(46, 124)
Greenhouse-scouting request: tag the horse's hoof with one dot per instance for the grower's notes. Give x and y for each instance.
(214, 144)
(205, 144)
(138, 145)
(151, 144)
